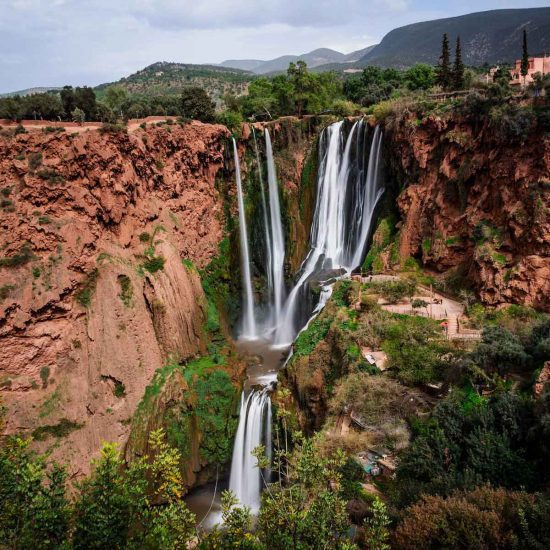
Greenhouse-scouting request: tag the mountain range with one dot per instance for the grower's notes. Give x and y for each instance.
(487, 37)
(316, 58)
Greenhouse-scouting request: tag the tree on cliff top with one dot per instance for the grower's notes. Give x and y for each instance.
(458, 68)
(524, 57)
(444, 67)
(195, 104)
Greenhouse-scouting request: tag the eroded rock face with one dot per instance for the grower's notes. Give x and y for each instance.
(476, 199)
(84, 320)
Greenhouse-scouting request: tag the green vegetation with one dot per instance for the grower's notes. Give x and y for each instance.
(382, 238)
(415, 347)
(50, 175)
(481, 518)
(5, 291)
(393, 291)
(375, 85)
(115, 507)
(87, 288)
(196, 105)
(44, 376)
(126, 290)
(62, 429)
(208, 407)
(298, 92)
(152, 263)
(24, 256)
(309, 338)
(34, 160)
(461, 447)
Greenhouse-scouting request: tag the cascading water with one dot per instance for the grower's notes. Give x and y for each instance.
(254, 429)
(277, 239)
(347, 196)
(347, 193)
(267, 230)
(249, 321)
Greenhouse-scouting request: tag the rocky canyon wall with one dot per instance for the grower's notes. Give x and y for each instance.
(475, 202)
(94, 296)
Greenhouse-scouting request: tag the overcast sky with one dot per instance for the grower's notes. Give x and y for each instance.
(57, 42)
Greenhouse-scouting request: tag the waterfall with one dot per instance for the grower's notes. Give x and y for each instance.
(254, 429)
(346, 199)
(348, 189)
(277, 239)
(249, 322)
(267, 231)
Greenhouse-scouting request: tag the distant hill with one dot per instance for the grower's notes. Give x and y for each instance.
(164, 78)
(358, 54)
(316, 58)
(32, 91)
(242, 64)
(487, 37)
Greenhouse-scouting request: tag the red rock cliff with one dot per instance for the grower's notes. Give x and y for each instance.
(83, 324)
(476, 200)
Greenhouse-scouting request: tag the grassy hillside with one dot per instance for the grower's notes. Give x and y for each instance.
(487, 37)
(165, 78)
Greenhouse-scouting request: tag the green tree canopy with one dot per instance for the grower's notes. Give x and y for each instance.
(196, 104)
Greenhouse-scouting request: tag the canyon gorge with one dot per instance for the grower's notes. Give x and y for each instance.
(135, 263)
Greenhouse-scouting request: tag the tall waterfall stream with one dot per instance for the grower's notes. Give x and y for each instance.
(348, 190)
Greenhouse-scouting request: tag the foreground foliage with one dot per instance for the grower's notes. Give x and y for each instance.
(116, 507)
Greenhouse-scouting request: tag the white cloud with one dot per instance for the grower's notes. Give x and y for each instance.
(54, 42)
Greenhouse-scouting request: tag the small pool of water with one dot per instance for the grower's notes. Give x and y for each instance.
(205, 503)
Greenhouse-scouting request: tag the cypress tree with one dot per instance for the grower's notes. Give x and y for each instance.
(458, 69)
(444, 67)
(524, 57)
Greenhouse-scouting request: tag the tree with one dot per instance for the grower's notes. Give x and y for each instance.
(195, 104)
(34, 512)
(44, 106)
(458, 68)
(524, 57)
(470, 440)
(444, 68)
(118, 507)
(68, 99)
(482, 518)
(419, 303)
(86, 101)
(420, 77)
(115, 96)
(78, 115)
(235, 530)
(307, 511)
(377, 533)
(499, 351)
(301, 81)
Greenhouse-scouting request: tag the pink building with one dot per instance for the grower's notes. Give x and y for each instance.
(536, 65)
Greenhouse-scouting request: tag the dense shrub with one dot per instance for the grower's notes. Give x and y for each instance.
(471, 440)
(512, 122)
(483, 518)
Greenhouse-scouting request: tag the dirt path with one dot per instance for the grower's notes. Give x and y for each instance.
(76, 128)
